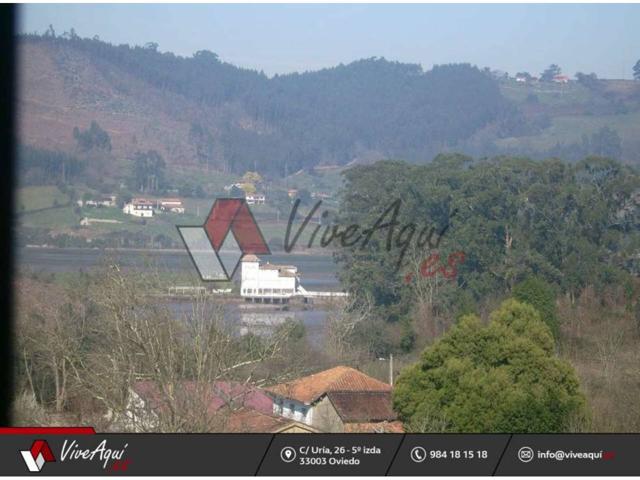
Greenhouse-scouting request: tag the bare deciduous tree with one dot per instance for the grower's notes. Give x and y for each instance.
(345, 315)
(51, 326)
(135, 337)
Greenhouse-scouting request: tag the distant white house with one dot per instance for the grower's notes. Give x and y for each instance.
(267, 282)
(561, 79)
(107, 201)
(173, 205)
(255, 199)
(139, 207)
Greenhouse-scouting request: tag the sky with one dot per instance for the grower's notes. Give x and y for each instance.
(283, 38)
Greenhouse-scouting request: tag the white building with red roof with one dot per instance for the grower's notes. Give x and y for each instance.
(139, 207)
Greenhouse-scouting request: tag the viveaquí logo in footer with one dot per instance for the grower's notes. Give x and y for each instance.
(37, 455)
(229, 232)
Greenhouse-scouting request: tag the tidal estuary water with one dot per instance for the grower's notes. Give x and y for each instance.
(317, 272)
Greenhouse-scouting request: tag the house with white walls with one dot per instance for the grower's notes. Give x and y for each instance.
(267, 283)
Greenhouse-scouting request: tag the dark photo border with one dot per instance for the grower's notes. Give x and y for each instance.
(7, 137)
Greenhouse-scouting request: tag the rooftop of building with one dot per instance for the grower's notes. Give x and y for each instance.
(338, 379)
(141, 201)
(249, 420)
(283, 270)
(359, 406)
(374, 427)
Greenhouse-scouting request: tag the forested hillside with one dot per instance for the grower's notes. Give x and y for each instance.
(201, 112)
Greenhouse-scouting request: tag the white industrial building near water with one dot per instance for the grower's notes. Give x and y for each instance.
(267, 283)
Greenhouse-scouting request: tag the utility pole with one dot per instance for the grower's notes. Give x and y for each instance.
(391, 369)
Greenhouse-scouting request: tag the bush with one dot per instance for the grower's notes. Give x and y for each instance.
(500, 377)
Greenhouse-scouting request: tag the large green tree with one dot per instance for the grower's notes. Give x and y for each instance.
(500, 377)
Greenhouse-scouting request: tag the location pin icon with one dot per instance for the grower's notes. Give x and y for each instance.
(288, 454)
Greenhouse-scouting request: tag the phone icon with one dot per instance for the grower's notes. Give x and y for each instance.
(418, 454)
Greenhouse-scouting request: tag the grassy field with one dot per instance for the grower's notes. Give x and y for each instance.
(52, 218)
(67, 219)
(548, 93)
(571, 94)
(569, 129)
(37, 198)
(574, 111)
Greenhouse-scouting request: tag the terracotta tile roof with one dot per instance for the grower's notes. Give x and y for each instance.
(363, 406)
(295, 427)
(247, 420)
(338, 379)
(378, 427)
(141, 201)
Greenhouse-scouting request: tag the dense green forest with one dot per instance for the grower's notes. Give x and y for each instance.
(506, 219)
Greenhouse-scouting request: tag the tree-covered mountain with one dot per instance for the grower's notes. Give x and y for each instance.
(201, 110)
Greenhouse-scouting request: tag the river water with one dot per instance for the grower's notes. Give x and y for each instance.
(317, 272)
